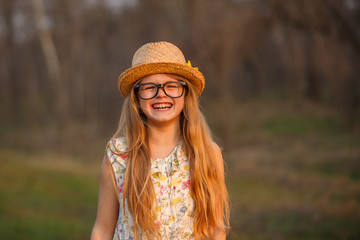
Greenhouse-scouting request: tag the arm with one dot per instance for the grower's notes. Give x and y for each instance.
(108, 206)
(219, 235)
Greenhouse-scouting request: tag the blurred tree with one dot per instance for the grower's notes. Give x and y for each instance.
(7, 71)
(60, 91)
(299, 48)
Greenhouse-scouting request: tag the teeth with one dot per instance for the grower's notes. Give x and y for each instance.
(161, 106)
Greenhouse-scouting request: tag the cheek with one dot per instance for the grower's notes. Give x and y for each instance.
(143, 106)
(180, 104)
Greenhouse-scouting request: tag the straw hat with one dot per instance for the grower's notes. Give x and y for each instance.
(159, 57)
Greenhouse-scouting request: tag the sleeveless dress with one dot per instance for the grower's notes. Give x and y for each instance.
(174, 205)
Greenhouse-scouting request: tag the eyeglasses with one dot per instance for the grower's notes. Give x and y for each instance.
(150, 90)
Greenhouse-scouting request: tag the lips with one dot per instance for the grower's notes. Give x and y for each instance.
(161, 106)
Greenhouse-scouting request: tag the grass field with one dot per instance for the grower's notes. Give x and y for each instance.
(293, 172)
(46, 197)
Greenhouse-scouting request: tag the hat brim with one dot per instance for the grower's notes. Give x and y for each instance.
(127, 79)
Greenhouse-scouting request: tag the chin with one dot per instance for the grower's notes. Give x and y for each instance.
(163, 120)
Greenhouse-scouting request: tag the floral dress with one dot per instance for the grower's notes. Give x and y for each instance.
(174, 205)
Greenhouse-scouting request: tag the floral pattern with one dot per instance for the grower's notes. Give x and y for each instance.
(171, 179)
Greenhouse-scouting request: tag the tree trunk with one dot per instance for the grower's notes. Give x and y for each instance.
(7, 97)
(53, 65)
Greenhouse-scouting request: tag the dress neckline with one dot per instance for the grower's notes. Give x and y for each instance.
(169, 155)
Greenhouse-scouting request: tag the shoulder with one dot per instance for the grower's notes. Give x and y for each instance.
(118, 144)
(217, 149)
(116, 150)
(218, 157)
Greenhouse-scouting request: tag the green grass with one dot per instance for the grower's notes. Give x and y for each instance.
(41, 201)
(296, 224)
(302, 125)
(293, 173)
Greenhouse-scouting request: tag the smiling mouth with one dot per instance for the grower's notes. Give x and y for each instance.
(161, 106)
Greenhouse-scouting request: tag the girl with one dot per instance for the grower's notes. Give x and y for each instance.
(167, 172)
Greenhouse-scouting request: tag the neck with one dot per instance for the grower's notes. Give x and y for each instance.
(164, 134)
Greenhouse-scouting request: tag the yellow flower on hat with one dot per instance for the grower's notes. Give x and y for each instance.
(189, 64)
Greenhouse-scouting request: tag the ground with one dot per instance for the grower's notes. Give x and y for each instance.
(292, 170)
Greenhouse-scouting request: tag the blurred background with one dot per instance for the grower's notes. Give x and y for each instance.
(282, 97)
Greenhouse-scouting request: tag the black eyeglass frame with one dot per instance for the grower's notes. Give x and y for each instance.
(158, 86)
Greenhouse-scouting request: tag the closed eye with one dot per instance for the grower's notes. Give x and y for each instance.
(148, 87)
(173, 85)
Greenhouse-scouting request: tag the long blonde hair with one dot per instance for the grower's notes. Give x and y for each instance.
(208, 188)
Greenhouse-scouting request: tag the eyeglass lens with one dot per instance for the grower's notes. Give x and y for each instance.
(171, 89)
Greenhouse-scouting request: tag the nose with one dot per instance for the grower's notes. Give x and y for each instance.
(161, 92)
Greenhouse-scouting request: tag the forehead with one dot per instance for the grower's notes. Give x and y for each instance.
(157, 78)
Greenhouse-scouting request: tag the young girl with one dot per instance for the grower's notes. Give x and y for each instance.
(167, 172)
